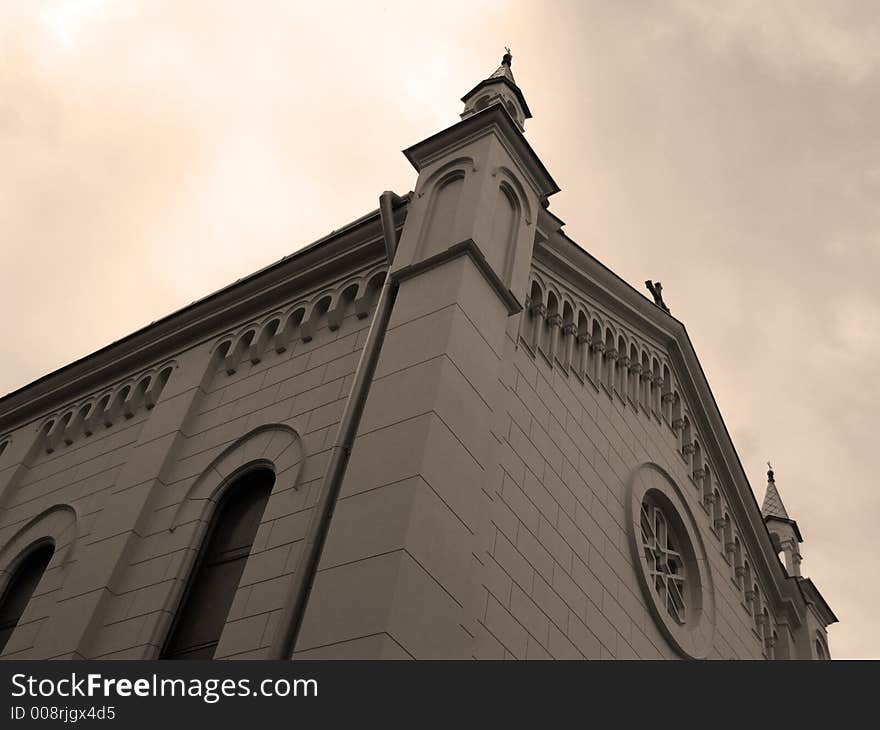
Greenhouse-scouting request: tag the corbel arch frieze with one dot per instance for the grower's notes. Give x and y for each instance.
(121, 401)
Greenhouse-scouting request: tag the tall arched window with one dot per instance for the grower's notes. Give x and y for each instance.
(20, 589)
(206, 602)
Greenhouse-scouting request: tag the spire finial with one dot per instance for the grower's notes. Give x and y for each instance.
(499, 88)
(770, 477)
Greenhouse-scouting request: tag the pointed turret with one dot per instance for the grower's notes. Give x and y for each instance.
(783, 530)
(499, 88)
(773, 506)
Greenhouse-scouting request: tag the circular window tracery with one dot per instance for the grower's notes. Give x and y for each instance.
(671, 561)
(666, 569)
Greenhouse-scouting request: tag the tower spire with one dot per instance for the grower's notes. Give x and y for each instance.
(783, 530)
(499, 88)
(773, 506)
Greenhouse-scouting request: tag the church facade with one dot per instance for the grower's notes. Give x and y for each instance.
(537, 469)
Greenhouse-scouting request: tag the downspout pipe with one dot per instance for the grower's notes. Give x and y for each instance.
(294, 610)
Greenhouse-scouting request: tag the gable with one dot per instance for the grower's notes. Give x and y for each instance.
(595, 302)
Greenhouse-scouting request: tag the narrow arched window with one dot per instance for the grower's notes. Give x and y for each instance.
(208, 598)
(20, 589)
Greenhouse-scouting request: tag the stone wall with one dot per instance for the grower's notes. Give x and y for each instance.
(561, 577)
(127, 504)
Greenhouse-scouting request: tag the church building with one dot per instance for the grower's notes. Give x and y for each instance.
(444, 430)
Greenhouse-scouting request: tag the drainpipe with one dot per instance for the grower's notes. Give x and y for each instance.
(304, 577)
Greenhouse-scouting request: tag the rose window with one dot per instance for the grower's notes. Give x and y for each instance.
(665, 564)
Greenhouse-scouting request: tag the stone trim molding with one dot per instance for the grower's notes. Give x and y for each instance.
(464, 248)
(58, 524)
(276, 445)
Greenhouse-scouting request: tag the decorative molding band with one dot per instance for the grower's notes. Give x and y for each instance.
(465, 248)
(123, 401)
(300, 320)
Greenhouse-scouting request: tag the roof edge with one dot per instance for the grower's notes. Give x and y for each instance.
(812, 596)
(155, 340)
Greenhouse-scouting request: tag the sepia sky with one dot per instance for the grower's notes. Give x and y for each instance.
(153, 151)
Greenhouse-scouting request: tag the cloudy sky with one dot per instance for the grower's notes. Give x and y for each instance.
(152, 152)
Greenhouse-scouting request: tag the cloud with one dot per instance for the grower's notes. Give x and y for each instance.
(156, 151)
(795, 36)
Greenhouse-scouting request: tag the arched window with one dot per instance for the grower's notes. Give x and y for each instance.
(21, 587)
(206, 602)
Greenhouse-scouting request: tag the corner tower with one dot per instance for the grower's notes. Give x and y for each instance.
(783, 530)
(426, 459)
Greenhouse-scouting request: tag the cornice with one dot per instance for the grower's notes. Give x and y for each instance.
(465, 248)
(326, 258)
(791, 523)
(494, 117)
